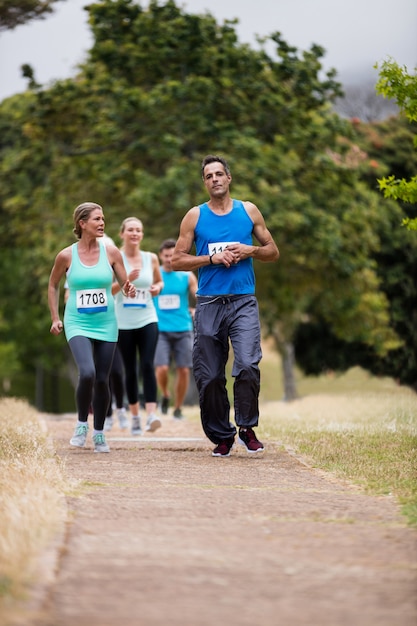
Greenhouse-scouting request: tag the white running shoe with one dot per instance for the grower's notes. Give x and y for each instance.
(80, 435)
(100, 444)
(153, 422)
(136, 427)
(123, 421)
(108, 424)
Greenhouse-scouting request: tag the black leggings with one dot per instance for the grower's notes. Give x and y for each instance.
(144, 340)
(94, 359)
(117, 383)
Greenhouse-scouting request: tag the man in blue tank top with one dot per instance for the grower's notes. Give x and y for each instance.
(222, 231)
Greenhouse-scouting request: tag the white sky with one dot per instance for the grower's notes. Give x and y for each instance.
(355, 33)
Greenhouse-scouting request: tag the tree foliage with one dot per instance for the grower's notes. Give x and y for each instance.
(380, 147)
(396, 83)
(20, 12)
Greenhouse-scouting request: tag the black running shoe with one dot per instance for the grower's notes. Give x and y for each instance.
(164, 405)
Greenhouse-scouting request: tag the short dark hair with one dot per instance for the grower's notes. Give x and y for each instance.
(212, 158)
(167, 244)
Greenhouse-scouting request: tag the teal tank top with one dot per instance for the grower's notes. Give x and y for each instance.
(212, 233)
(89, 311)
(139, 311)
(172, 304)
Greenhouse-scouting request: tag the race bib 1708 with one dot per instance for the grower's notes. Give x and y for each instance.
(91, 300)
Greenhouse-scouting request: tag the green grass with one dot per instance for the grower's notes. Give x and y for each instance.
(360, 427)
(367, 438)
(380, 464)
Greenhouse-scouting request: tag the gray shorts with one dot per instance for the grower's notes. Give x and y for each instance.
(175, 346)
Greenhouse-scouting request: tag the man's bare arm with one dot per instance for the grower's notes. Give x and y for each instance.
(182, 259)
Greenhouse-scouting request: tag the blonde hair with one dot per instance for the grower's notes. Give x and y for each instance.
(128, 219)
(81, 213)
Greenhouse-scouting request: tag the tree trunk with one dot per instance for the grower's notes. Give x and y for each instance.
(288, 371)
(39, 395)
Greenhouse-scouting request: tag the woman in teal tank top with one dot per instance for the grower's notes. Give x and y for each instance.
(90, 320)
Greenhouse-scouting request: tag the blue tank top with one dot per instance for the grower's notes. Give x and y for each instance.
(212, 233)
(172, 304)
(140, 311)
(89, 311)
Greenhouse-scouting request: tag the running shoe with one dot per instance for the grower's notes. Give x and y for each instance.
(224, 448)
(123, 421)
(108, 424)
(80, 435)
(100, 444)
(178, 415)
(248, 439)
(164, 405)
(136, 428)
(153, 422)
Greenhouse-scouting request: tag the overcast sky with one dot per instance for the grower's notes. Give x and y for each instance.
(355, 33)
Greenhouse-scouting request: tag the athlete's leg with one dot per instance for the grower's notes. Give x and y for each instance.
(103, 356)
(245, 336)
(82, 351)
(210, 354)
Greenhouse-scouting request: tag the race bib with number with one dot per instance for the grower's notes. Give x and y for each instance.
(139, 301)
(169, 302)
(91, 300)
(219, 246)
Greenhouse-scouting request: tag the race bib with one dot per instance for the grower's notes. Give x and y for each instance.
(91, 300)
(169, 302)
(138, 302)
(219, 246)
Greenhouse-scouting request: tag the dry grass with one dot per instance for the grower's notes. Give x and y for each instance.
(368, 438)
(32, 507)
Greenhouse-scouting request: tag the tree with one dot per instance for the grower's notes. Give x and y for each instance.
(395, 82)
(160, 88)
(13, 14)
(379, 147)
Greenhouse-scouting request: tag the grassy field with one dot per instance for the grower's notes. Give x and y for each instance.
(369, 439)
(360, 428)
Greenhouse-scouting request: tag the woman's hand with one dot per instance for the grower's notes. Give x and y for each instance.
(134, 274)
(129, 290)
(57, 327)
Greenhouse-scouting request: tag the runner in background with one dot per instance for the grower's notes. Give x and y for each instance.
(138, 323)
(175, 322)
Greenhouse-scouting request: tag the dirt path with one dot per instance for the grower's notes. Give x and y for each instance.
(163, 534)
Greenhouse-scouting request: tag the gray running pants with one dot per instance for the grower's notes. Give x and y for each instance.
(219, 319)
